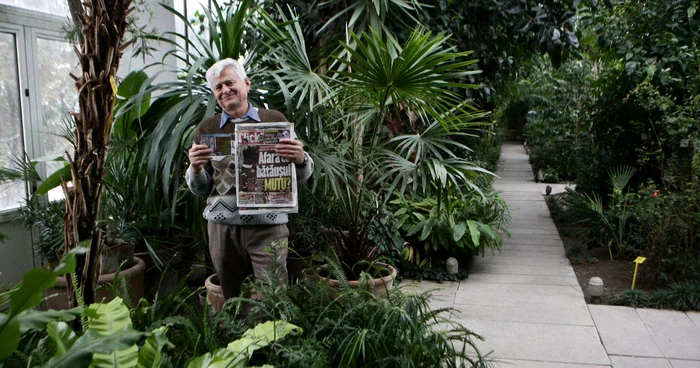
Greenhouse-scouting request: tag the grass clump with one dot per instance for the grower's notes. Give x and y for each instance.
(683, 296)
(577, 255)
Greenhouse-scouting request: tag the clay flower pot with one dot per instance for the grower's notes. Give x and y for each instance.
(215, 297)
(57, 297)
(381, 284)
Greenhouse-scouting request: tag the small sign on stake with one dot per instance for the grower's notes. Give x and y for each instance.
(637, 262)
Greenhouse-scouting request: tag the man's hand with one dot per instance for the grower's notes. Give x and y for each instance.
(198, 155)
(291, 149)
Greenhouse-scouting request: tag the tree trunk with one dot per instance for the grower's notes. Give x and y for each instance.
(103, 25)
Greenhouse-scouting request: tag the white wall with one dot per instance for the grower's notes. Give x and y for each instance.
(162, 21)
(16, 253)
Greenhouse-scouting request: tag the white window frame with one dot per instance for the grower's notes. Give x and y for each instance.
(27, 26)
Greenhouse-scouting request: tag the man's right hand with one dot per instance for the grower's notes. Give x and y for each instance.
(198, 155)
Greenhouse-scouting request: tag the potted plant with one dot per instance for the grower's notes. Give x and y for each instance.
(117, 260)
(390, 115)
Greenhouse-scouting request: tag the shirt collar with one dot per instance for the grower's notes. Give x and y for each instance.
(252, 114)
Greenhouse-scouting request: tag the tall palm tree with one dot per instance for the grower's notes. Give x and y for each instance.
(399, 105)
(103, 25)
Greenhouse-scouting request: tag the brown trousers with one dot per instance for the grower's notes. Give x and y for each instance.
(239, 251)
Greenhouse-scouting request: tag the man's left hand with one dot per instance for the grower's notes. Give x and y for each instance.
(291, 149)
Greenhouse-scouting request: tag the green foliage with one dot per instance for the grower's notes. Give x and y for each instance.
(352, 328)
(684, 296)
(459, 225)
(609, 226)
(237, 353)
(108, 338)
(48, 219)
(466, 224)
(555, 125)
(648, 222)
(435, 271)
(503, 33)
(28, 294)
(577, 255)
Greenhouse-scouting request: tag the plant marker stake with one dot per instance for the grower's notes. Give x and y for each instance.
(636, 263)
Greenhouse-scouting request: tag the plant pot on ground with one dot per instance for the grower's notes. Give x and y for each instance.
(378, 286)
(58, 298)
(114, 253)
(214, 294)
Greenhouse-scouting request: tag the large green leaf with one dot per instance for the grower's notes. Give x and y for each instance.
(68, 262)
(238, 352)
(31, 291)
(28, 294)
(427, 229)
(81, 353)
(63, 337)
(9, 335)
(459, 230)
(38, 320)
(220, 358)
(262, 335)
(474, 232)
(55, 180)
(151, 353)
(106, 320)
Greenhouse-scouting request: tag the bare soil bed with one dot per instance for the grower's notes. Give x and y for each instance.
(616, 274)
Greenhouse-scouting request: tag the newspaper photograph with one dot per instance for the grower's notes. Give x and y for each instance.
(220, 144)
(265, 181)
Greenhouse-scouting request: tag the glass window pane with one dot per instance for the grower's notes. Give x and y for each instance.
(55, 7)
(11, 194)
(57, 96)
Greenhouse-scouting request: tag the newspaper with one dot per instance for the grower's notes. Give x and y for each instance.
(265, 182)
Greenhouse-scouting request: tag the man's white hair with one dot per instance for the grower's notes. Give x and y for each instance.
(218, 68)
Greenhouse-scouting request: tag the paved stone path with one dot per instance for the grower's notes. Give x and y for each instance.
(527, 304)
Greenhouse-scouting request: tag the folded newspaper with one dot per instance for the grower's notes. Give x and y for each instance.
(264, 181)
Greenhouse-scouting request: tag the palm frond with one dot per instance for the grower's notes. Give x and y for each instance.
(620, 176)
(297, 79)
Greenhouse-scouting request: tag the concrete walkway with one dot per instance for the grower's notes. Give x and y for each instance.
(527, 304)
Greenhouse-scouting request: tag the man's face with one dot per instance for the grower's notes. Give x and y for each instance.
(231, 92)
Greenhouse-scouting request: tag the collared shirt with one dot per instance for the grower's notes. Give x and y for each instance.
(252, 114)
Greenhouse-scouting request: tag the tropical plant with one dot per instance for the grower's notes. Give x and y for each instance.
(27, 295)
(385, 90)
(103, 29)
(459, 226)
(108, 337)
(615, 219)
(349, 327)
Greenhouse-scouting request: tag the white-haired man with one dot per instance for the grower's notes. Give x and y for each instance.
(238, 244)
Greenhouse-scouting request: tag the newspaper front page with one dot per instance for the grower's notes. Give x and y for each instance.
(265, 182)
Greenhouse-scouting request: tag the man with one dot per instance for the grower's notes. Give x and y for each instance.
(238, 243)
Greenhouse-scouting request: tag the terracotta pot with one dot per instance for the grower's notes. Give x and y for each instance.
(381, 285)
(296, 266)
(152, 275)
(162, 282)
(215, 297)
(113, 256)
(57, 297)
